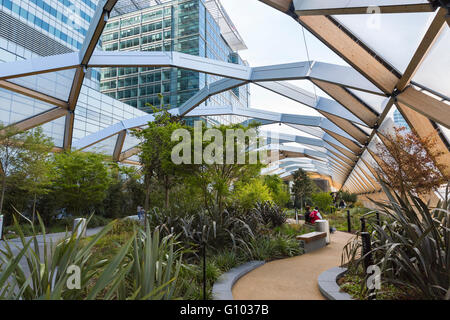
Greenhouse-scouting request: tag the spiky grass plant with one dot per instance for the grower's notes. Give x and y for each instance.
(411, 247)
(145, 267)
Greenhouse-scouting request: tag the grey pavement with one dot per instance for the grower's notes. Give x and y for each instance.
(52, 238)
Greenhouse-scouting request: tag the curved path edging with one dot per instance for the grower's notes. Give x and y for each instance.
(222, 288)
(328, 284)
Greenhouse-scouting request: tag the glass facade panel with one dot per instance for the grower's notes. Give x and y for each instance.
(15, 107)
(105, 147)
(56, 84)
(436, 65)
(393, 36)
(184, 26)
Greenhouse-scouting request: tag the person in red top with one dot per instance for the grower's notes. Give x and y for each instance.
(315, 215)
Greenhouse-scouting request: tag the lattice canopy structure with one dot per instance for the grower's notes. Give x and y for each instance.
(389, 68)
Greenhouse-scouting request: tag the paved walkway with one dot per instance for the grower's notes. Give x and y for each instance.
(293, 278)
(54, 238)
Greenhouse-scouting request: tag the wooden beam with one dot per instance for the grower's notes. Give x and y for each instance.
(375, 183)
(351, 51)
(134, 163)
(351, 186)
(33, 94)
(353, 146)
(342, 166)
(359, 188)
(129, 153)
(349, 101)
(369, 166)
(68, 130)
(39, 119)
(363, 185)
(351, 163)
(338, 169)
(282, 5)
(429, 106)
(342, 163)
(119, 145)
(377, 159)
(367, 182)
(425, 46)
(423, 129)
(76, 88)
(355, 132)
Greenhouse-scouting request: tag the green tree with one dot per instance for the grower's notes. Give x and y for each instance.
(216, 180)
(35, 166)
(156, 151)
(278, 189)
(323, 200)
(349, 198)
(303, 186)
(124, 194)
(80, 180)
(11, 149)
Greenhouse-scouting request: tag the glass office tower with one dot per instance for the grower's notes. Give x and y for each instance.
(399, 121)
(187, 26)
(36, 28)
(32, 28)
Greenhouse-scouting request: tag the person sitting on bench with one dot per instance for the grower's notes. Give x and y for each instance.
(307, 213)
(315, 215)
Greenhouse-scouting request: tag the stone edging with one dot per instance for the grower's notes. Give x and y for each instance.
(222, 287)
(328, 284)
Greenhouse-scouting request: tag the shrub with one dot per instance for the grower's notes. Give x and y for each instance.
(270, 213)
(248, 195)
(221, 230)
(98, 221)
(278, 190)
(349, 198)
(227, 260)
(268, 248)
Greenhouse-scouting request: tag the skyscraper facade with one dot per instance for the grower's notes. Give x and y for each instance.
(195, 27)
(36, 28)
(399, 121)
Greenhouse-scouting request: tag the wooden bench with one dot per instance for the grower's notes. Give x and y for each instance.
(312, 241)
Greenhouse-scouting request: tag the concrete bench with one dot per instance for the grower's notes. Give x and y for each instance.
(312, 241)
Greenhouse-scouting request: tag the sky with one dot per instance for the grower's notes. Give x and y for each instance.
(272, 37)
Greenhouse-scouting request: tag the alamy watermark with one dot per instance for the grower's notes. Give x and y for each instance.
(373, 282)
(374, 20)
(74, 280)
(236, 146)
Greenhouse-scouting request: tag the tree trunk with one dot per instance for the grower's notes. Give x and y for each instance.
(147, 198)
(34, 208)
(167, 197)
(2, 197)
(147, 193)
(166, 189)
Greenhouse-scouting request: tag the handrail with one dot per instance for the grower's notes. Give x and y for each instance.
(364, 217)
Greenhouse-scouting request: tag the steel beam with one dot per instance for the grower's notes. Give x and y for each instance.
(338, 7)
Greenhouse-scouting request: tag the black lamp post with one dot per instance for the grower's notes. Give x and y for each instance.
(204, 269)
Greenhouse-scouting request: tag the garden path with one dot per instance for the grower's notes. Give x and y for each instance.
(54, 238)
(293, 278)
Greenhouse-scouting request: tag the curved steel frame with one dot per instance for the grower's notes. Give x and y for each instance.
(339, 132)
